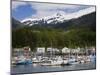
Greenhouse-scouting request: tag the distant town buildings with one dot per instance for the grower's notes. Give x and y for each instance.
(52, 49)
(43, 54)
(26, 51)
(65, 50)
(41, 50)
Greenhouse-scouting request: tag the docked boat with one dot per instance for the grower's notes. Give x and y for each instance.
(23, 61)
(35, 60)
(93, 58)
(53, 61)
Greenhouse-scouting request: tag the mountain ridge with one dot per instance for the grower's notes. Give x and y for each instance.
(85, 20)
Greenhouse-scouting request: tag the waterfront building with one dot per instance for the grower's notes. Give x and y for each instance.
(40, 50)
(17, 52)
(74, 51)
(65, 50)
(21, 52)
(91, 50)
(49, 49)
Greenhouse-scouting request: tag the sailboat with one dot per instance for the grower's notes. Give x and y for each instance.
(23, 61)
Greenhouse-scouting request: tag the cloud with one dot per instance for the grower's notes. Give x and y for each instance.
(80, 13)
(16, 4)
(49, 6)
(48, 9)
(67, 16)
(85, 11)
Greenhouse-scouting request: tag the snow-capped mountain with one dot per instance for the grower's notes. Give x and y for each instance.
(58, 17)
(57, 21)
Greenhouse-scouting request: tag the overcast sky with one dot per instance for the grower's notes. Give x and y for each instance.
(24, 10)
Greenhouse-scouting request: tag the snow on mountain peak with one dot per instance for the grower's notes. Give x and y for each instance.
(58, 14)
(58, 17)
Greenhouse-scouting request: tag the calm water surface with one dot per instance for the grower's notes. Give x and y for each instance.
(37, 68)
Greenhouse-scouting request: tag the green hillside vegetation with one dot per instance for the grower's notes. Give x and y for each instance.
(78, 33)
(53, 37)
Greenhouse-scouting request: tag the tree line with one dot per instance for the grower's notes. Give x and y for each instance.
(49, 37)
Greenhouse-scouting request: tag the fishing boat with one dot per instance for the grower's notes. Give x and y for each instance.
(35, 60)
(53, 61)
(93, 58)
(23, 61)
(70, 61)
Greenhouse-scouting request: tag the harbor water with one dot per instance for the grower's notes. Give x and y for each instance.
(33, 68)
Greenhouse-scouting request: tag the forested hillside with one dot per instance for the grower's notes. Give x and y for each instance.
(79, 32)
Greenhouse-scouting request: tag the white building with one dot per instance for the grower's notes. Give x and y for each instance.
(17, 52)
(56, 50)
(27, 49)
(52, 49)
(41, 50)
(65, 50)
(49, 49)
(75, 50)
(91, 50)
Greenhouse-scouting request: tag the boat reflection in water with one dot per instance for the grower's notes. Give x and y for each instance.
(26, 62)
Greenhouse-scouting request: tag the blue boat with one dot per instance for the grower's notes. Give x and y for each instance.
(93, 58)
(23, 61)
(26, 62)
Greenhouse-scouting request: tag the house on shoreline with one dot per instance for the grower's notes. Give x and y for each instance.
(18, 52)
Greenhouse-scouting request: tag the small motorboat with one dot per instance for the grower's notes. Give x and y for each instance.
(93, 58)
(23, 61)
(26, 62)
